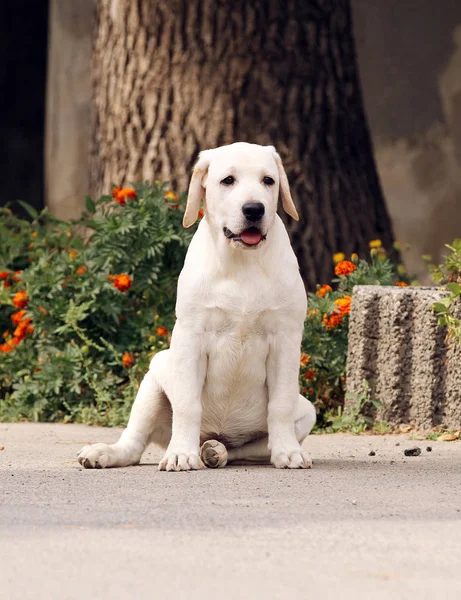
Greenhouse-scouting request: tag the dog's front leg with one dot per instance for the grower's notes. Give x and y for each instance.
(283, 388)
(186, 375)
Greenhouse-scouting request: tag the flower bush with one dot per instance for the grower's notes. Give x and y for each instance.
(324, 345)
(448, 274)
(84, 305)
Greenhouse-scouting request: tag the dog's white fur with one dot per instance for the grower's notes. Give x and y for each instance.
(231, 372)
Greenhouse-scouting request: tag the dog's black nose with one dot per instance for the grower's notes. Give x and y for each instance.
(253, 211)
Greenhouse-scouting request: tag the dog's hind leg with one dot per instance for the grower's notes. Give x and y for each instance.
(150, 421)
(258, 451)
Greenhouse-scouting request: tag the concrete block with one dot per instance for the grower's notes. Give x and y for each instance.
(396, 345)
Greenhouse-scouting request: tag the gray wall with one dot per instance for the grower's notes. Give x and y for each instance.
(409, 54)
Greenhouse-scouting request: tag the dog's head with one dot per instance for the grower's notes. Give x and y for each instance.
(240, 186)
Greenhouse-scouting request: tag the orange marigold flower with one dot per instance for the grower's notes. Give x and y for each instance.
(20, 299)
(123, 194)
(5, 348)
(312, 312)
(14, 341)
(81, 270)
(30, 246)
(123, 282)
(4, 274)
(344, 305)
(6, 284)
(161, 330)
(333, 320)
(200, 213)
(305, 358)
(16, 276)
(324, 290)
(5, 334)
(34, 234)
(171, 196)
(73, 254)
(401, 284)
(17, 317)
(115, 191)
(127, 360)
(310, 375)
(22, 329)
(344, 268)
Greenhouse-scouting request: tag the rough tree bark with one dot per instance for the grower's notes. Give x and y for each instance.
(172, 77)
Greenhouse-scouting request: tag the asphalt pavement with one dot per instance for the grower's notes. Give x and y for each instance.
(355, 526)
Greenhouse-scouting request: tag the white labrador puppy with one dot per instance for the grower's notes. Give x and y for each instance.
(227, 388)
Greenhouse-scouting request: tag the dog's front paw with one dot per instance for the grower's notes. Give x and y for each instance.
(291, 459)
(96, 456)
(180, 461)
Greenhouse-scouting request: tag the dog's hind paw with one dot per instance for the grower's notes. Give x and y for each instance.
(213, 454)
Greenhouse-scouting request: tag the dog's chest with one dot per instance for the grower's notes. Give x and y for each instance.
(238, 337)
(241, 309)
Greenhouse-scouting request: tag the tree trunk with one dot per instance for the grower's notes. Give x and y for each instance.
(172, 77)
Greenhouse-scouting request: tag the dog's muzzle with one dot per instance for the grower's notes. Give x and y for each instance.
(250, 236)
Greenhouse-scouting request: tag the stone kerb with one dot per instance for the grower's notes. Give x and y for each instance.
(396, 345)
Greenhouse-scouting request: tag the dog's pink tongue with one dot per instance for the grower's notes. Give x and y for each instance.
(251, 236)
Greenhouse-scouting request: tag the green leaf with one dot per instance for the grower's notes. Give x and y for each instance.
(439, 307)
(456, 245)
(90, 205)
(454, 288)
(29, 209)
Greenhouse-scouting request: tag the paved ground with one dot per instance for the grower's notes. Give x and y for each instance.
(356, 526)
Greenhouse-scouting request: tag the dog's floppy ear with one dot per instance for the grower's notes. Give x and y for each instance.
(196, 189)
(287, 201)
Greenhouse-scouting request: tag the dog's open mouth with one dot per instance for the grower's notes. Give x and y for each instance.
(250, 237)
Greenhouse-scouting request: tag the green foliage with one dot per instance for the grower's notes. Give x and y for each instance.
(70, 367)
(352, 419)
(449, 273)
(381, 428)
(91, 342)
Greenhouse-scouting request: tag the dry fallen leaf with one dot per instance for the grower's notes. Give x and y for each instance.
(448, 437)
(405, 428)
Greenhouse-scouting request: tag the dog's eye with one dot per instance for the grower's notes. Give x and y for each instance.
(268, 180)
(229, 180)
